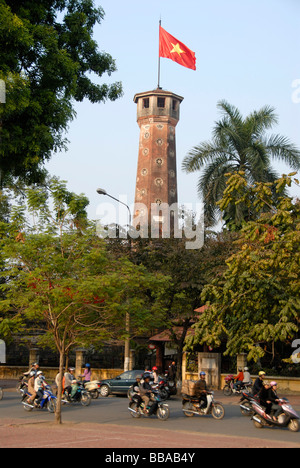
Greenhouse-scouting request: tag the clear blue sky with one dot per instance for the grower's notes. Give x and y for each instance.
(247, 53)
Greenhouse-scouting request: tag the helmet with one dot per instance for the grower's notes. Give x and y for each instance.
(32, 373)
(39, 372)
(146, 375)
(154, 368)
(273, 383)
(202, 373)
(246, 369)
(261, 373)
(71, 368)
(88, 365)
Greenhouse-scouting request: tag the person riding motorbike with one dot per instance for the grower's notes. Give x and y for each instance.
(258, 382)
(274, 399)
(202, 390)
(31, 389)
(39, 385)
(239, 380)
(146, 390)
(136, 389)
(247, 376)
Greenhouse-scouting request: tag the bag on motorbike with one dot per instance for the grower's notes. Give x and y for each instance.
(189, 387)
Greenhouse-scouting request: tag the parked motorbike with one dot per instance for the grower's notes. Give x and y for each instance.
(288, 417)
(229, 389)
(1, 393)
(48, 402)
(82, 396)
(156, 408)
(191, 406)
(246, 403)
(93, 388)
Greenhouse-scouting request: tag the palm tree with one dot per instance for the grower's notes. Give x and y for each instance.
(238, 144)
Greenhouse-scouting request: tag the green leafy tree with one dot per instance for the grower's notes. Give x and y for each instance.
(238, 144)
(62, 283)
(255, 304)
(47, 54)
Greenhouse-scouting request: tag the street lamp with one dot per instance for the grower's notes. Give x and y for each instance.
(127, 359)
(101, 191)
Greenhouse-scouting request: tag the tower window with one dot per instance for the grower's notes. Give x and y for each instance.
(174, 105)
(146, 103)
(161, 102)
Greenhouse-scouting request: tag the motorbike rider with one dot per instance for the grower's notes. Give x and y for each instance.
(202, 390)
(136, 389)
(67, 381)
(239, 380)
(247, 377)
(74, 389)
(146, 390)
(263, 396)
(87, 374)
(34, 368)
(155, 374)
(39, 386)
(31, 389)
(274, 400)
(258, 382)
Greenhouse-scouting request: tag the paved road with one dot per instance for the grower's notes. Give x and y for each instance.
(107, 423)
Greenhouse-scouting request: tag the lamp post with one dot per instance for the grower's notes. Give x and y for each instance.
(127, 359)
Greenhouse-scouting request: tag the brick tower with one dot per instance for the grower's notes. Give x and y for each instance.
(156, 183)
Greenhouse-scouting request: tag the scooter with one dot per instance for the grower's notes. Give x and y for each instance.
(192, 406)
(229, 389)
(93, 388)
(288, 418)
(49, 401)
(157, 408)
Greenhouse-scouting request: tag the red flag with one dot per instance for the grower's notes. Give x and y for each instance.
(171, 48)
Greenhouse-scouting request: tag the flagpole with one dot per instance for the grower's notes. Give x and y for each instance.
(158, 86)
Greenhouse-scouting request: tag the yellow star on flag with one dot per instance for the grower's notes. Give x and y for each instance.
(176, 48)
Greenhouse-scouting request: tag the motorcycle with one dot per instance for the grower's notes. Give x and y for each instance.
(1, 393)
(49, 401)
(162, 389)
(156, 408)
(82, 396)
(246, 403)
(192, 406)
(288, 417)
(93, 388)
(229, 389)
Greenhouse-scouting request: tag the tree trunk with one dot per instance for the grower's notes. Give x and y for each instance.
(58, 419)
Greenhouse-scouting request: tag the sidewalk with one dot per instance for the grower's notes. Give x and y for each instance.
(17, 434)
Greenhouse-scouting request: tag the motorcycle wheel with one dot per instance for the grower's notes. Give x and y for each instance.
(51, 405)
(218, 411)
(294, 425)
(163, 412)
(188, 406)
(245, 412)
(259, 425)
(94, 394)
(85, 399)
(134, 407)
(227, 390)
(27, 408)
(1, 394)
(164, 395)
